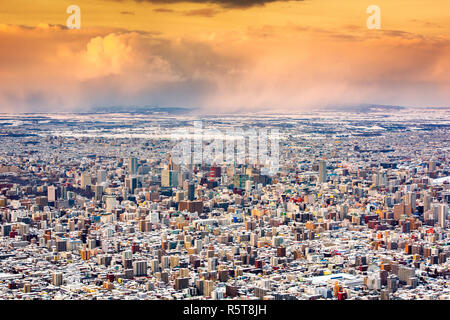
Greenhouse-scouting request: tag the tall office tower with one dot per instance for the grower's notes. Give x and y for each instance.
(208, 287)
(175, 262)
(165, 262)
(239, 180)
(397, 197)
(98, 192)
(191, 191)
(63, 192)
(442, 215)
(399, 210)
(392, 283)
(85, 179)
(322, 171)
(411, 200)
(383, 179)
(127, 255)
(426, 201)
(132, 165)
(343, 211)
(435, 212)
(388, 201)
(212, 263)
(179, 196)
(154, 265)
(169, 178)
(57, 279)
(110, 203)
(131, 184)
(248, 185)
(51, 193)
(182, 178)
(376, 180)
(101, 176)
(198, 244)
(140, 268)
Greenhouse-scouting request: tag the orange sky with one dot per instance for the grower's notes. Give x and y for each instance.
(223, 54)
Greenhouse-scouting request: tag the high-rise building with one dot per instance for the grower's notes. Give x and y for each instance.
(399, 210)
(140, 268)
(322, 171)
(169, 178)
(98, 192)
(442, 215)
(57, 279)
(426, 201)
(132, 165)
(131, 184)
(191, 191)
(208, 287)
(51, 193)
(101, 176)
(411, 200)
(110, 203)
(85, 179)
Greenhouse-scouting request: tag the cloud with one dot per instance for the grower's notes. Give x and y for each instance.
(222, 3)
(204, 12)
(51, 68)
(163, 10)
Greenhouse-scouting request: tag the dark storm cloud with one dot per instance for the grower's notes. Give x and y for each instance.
(223, 3)
(163, 10)
(205, 12)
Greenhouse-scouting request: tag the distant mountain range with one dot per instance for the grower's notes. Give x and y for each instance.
(361, 108)
(364, 108)
(141, 110)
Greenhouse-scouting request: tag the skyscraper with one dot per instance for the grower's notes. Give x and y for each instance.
(140, 268)
(57, 279)
(132, 165)
(169, 178)
(131, 183)
(101, 176)
(51, 193)
(322, 171)
(110, 203)
(191, 191)
(85, 179)
(442, 215)
(411, 200)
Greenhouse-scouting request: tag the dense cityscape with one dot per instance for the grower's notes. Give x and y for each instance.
(92, 206)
